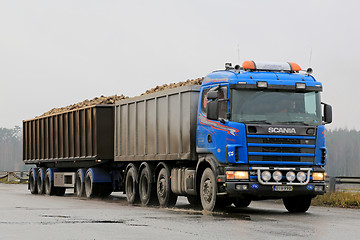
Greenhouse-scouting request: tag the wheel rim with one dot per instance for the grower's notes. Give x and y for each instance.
(161, 188)
(207, 190)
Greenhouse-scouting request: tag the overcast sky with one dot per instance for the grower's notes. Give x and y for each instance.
(56, 53)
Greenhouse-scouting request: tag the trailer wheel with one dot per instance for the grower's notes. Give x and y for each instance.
(32, 182)
(131, 186)
(299, 204)
(147, 191)
(208, 190)
(163, 189)
(241, 203)
(79, 185)
(40, 183)
(89, 185)
(49, 185)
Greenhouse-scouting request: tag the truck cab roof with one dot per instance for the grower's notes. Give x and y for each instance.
(252, 77)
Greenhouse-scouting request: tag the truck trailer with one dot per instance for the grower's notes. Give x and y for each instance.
(249, 132)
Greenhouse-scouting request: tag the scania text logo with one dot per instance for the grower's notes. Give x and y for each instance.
(281, 130)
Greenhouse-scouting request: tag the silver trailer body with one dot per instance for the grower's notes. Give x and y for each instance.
(158, 126)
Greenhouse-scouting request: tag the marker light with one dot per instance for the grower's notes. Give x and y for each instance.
(301, 176)
(266, 175)
(290, 176)
(271, 66)
(300, 85)
(318, 176)
(262, 84)
(277, 175)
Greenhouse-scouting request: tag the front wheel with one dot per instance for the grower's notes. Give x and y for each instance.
(208, 190)
(297, 204)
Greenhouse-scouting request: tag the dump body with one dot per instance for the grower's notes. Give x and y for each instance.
(74, 137)
(158, 126)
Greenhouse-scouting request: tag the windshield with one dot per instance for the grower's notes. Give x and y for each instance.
(276, 107)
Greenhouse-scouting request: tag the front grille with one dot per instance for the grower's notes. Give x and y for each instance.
(281, 148)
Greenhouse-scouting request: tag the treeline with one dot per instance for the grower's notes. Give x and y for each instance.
(11, 149)
(343, 147)
(343, 151)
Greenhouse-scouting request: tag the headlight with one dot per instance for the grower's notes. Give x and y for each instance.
(290, 176)
(318, 176)
(277, 175)
(301, 176)
(240, 175)
(266, 175)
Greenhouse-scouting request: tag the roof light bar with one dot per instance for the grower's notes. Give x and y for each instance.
(271, 66)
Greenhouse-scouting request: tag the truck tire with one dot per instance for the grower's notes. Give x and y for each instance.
(90, 189)
(163, 189)
(32, 182)
(40, 183)
(131, 185)
(299, 204)
(79, 184)
(49, 185)
(147, 191)
(208, 190)
(241, 203)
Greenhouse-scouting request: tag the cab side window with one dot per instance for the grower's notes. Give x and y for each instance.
(223, 102)
(204, 100)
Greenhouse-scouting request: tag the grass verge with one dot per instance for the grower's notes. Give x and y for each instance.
(338, 199)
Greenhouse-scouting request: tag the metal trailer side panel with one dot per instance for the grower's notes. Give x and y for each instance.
(157, 126)
(83, 134)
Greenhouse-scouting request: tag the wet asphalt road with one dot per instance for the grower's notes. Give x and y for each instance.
(26, 216)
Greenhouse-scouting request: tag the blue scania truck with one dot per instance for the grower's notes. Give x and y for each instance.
(249, 132)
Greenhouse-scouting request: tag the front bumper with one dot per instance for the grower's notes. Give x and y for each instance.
(256, 190)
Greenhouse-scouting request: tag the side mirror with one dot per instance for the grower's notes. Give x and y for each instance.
(212, 110)
(211, 95)
(327, 113)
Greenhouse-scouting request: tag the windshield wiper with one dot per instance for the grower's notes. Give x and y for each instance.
(258, 121)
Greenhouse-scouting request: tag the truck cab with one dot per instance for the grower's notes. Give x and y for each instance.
(261, 128)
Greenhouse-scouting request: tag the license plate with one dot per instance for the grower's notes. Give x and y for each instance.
(280, 188)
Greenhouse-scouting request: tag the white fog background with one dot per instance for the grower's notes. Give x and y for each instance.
(56, 53)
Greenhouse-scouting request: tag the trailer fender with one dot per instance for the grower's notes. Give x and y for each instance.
(159, 167)
(100, 175)
(51, 170)
(82, 173)
(150, 167)
(136, 170)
